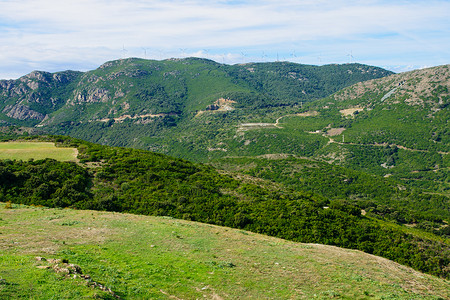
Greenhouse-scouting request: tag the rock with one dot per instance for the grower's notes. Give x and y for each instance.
(75, 268)
(59, 269)
(22, 112)
(40, 258)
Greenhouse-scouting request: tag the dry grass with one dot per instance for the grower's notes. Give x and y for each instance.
(350, 111)
(308, 114)
(335, 131)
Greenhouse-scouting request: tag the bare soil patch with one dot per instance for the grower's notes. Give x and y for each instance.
(350, 111)
(308, 114)
(335, 131)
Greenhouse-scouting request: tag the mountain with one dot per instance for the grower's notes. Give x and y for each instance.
(29, 99)
(147, 96)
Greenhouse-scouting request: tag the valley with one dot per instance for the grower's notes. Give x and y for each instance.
(349, 155)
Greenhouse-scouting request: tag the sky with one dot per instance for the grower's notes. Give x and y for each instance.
(58, 35)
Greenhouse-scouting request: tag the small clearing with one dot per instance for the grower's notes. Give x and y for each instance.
(349, 112)
(220, 105)
(36, 150)
(250, 126)
(308, 114)
(335, 131)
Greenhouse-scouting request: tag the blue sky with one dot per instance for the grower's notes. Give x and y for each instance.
(57, 35)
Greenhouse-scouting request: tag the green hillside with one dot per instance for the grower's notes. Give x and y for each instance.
(141, 182)
(395, 126)
(381, 197)
(90, 254)
(145, 97)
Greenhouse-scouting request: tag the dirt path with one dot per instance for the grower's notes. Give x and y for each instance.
(277, 121)
(332, 141)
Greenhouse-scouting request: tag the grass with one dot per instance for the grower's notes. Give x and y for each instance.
(36, 150)
(161, 258)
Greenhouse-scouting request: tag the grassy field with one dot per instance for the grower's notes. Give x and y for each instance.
(142, 257)
(36, 150)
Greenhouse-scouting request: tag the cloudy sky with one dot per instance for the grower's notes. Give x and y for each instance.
(57, 35)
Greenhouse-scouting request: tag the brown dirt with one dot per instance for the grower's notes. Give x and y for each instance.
(335, 131)
(350, 111)
(312, 113)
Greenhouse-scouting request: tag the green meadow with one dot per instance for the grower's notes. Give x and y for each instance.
(36, 150)
(143, 257)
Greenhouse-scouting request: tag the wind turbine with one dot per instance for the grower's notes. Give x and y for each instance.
(124, 51)
(350, 55)
(263, 56)
(183, 50)
(145, 52)
(244, 56)
(207, 53)
(293, 54)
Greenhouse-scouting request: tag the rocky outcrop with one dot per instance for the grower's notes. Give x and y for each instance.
(93, 95)
(63, 267)
(9, 88)
(22, 112)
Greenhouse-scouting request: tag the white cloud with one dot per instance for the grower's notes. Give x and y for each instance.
(58, 34)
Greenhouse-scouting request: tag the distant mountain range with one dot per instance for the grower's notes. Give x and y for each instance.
(142, 89)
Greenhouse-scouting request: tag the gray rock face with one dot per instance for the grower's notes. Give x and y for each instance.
(93, 95)
(22, 112)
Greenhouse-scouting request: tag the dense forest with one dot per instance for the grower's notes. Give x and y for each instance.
(141, 182)
(384, 198)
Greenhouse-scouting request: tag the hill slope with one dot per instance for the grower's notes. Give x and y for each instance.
(130, 256)
(136, 181)
(395, 126)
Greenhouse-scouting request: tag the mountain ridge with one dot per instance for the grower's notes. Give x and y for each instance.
(175, 81)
